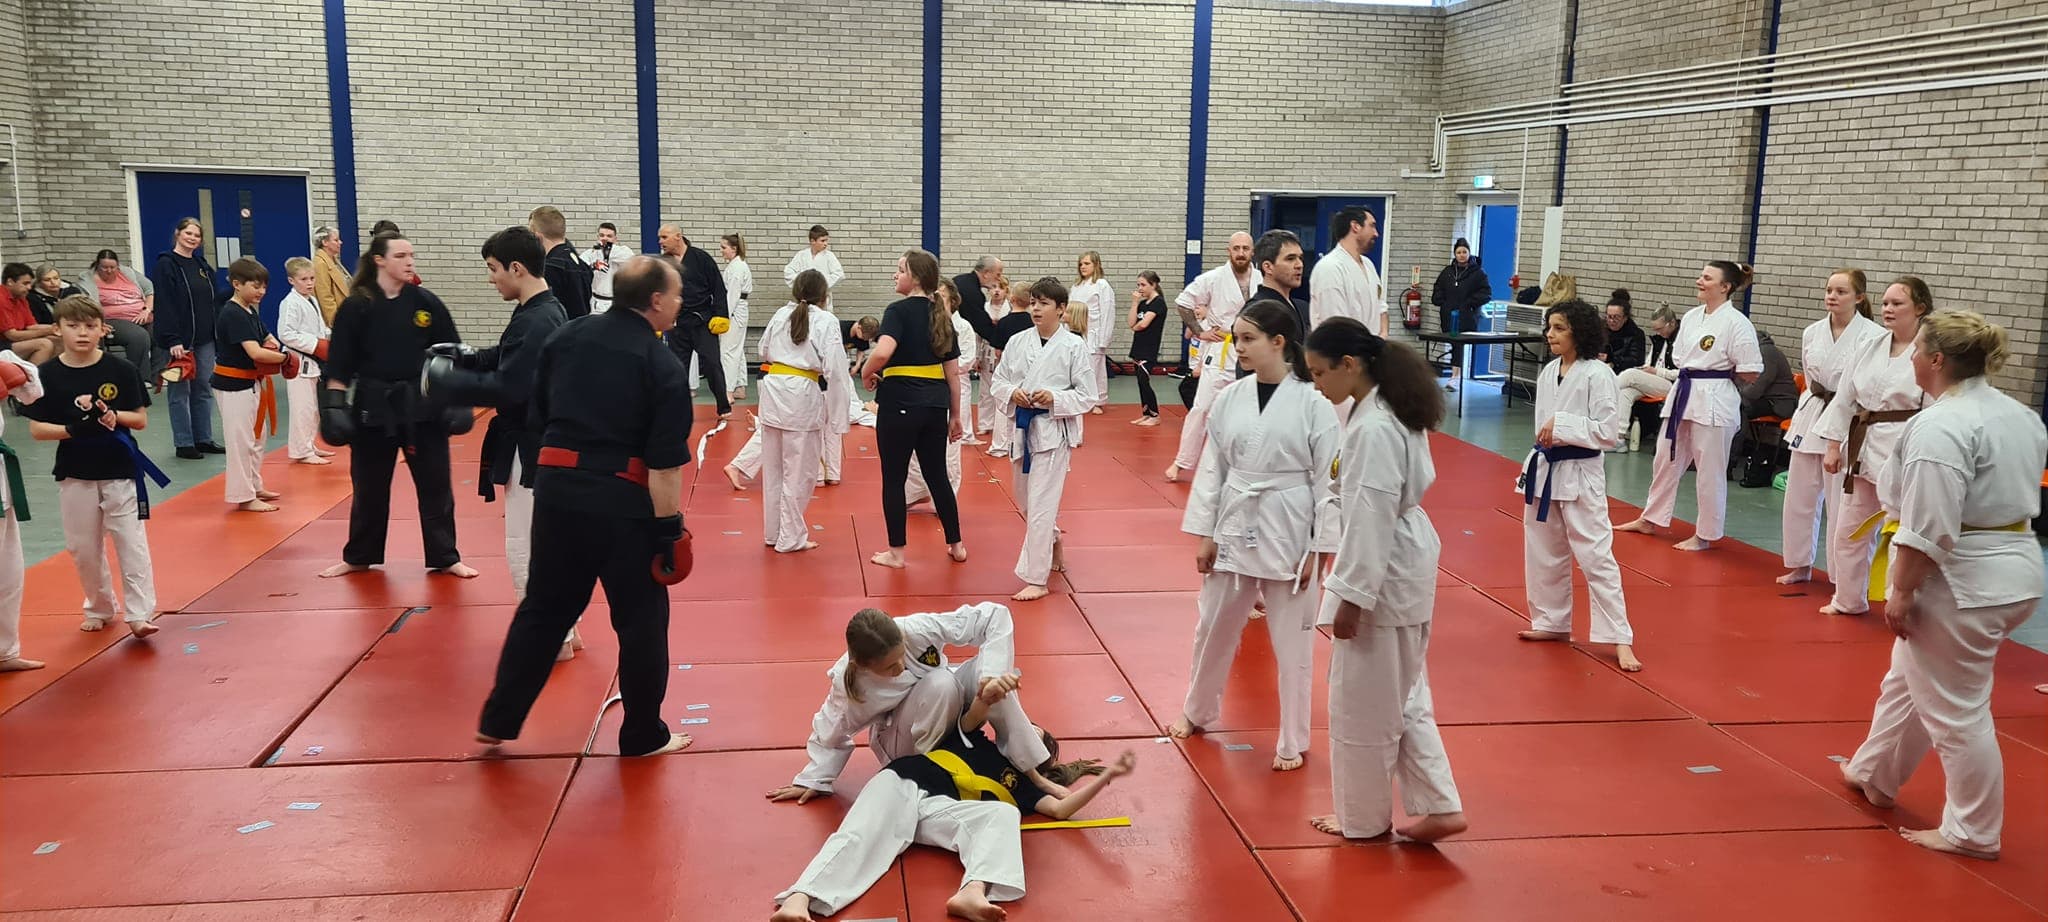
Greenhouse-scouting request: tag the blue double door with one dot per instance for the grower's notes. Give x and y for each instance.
(264, 216)
(1308, 216)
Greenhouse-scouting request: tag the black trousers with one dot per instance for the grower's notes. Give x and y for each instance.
(573, 550)
(899, 433)
(373, 459)
(695, 340)
(1145, 394)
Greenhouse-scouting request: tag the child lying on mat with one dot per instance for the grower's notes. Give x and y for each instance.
(963, 796)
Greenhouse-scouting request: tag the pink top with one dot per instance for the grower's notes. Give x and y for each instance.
(120, 299)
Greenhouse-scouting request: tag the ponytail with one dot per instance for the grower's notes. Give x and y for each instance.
(808, 291)
(1398, 373)
(869, 637)
(1276, 319)
(365, 282)
(1064, 773)
(1737, 275)
(1858, 284)
(924, 267)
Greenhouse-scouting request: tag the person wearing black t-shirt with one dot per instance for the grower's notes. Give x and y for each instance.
(914, 370)
(1279, 258)
(1148, 322)
(567, 275)
(245, 358)
(381, 335)
(704, 301)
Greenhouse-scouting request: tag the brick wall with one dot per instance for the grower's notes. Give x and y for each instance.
(20, 241)
(1622, 37)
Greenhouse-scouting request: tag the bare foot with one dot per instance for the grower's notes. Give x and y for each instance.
(459, 570)
(1258, 611)
(972, 904)
(1095, 411)
(1183, 728)
(1145, 421)
(677, 742)
(268, 494)
(1284, 764)
(1694, 543)
(1059, 557)
(1545, 635)
(1876, 797)
(733, 474)
(2041, 689)
(795, 909)
(958, 552)
(1933, 839)
(1830, 609)
(1172, 474)
(18, 664)
(1796, 575)
(570, 645)
(489, 740)
(1434, 827)
(891, 558)
(1639, 526)
(141, 628)
(1327, 824)
(342, 569)
(1030, 593)
(322, 452)
(90, 625)
(256, 505)
(1627, 656)
(312, 459)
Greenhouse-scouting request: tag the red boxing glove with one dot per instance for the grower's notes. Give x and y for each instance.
(320, 350)
(672, 557)
(11, 377)
(291, 365)
(179, 368)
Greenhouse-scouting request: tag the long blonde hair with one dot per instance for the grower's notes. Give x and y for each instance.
(869, 637)
(1094, 259)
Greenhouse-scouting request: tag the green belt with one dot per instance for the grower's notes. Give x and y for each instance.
(15, 489)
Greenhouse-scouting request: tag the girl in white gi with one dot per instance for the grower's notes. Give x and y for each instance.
(302, 330)
(739, 287)
(1261, 506)
(1382, 591)
(19, 380)
(839, 414)
(1825, 350)
(1878, 393)
(1716, 348)
(895, 683)
(1093, 291)
(1965, 571)
(915, 490)
(1579, 417)
(805, 370)
(962, 796)
(1046, 381)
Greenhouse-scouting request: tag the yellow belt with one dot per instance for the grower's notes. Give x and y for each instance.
(970, 785)
(1880, 566)
(777, 368)
(915, 371)
(1080, 824)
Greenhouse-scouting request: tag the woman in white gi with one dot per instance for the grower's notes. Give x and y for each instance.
(1579, 416)
(1878, 392)
(739, 287)
(1965, 571)
(1093, 291)
(915, 490)
(1825, 350)
(895, 682)
(1261, 506)
(21, 382)
(1382, 591)
(1046, 382)
(961, 796)
(805, 369)
(302, 330)
(1716, 348)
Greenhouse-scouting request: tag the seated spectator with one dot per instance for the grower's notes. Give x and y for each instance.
(49, 288)
(1626, 346)
(128, 299)
(31, 338)
(1773, 393)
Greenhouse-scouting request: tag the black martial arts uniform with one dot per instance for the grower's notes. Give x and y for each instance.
(703, 299)
(610, 404)
(503, 377)
(570, 278)
(974, 307)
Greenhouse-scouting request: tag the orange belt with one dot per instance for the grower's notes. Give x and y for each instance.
(636, 469)
(266, 395)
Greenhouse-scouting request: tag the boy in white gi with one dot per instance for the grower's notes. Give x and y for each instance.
(1564, 486)
(18, 380)
(1047, 381)
(304, 331)
(247, 360)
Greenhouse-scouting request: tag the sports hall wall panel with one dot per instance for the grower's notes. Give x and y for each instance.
(17, 111)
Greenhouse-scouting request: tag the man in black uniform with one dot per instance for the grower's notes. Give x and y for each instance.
(381, 335)
(1279, 258)
(703, 302)
(988, 271)
(568, 276)
(612, 407)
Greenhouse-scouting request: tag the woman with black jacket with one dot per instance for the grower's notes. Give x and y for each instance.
(1461, 290)
(1626, 346)
(187, 299)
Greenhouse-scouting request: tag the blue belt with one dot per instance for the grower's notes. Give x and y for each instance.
(1023, 417)
(1552, 455)
(1681, 394)
(143, 468)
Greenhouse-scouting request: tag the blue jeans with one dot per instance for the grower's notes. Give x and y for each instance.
(192, 400)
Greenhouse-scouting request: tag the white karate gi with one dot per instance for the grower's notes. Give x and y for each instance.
(1584, 409)
(1823, 357)
(1099, 299)
(793, 413)
(1723, 339)
(1260, 493)
(243, 478)
(96, 512)
(1964, 467)
(1382, 719)
(602, 264)
(990, 410)
(1343, 285)
(13, 569)
(300, 328)
(1223, 293)
(827, 264)
(904, 715)
(1871, 379)
(891, 814)
(732, 344)
(1059, 364)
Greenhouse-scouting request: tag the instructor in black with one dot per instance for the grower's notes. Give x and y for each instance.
(703, 303)
(612, 406)
(987, 274)
(381, 335)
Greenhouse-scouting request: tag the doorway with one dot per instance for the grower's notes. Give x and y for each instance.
(264, 215)
(1308, 215)
(1494, 246)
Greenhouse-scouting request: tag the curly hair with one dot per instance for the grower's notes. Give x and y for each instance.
(1589, 331)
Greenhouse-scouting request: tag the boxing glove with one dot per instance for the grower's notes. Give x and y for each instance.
(459, 420)
(462, 356)
(290, 369)
(11, 376)
(718, 326)
(337, 420)
(444, 382)
(672, 558)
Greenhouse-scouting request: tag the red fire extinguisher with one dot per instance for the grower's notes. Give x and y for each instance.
(1412, 300)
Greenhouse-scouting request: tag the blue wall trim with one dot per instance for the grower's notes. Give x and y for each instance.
(1564, 132)
(645, 102)
(341, 122)
(1198, 132)
(934, 116)
(1763, 148)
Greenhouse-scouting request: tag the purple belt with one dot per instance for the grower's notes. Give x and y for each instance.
(1681, 394)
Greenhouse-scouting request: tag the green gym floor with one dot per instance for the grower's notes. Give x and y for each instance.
(1486, 421)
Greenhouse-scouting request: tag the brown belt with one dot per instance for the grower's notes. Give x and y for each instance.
(1819, 390)
(1859, 426)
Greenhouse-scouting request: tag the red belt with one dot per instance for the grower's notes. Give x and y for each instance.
(636, 469)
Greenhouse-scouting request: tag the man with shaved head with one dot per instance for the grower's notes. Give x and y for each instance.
(703, 301)
(1215, 296)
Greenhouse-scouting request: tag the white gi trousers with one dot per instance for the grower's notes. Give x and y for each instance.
(303, 412)
(1706, 448)
(1194, 430)
(518, 531)
(1808, 489)
(732, 356)
(1848, 558)
(1636, 384)
(1102, 377)
(832, 454)
(245, 454)
(890, 815)
(1225, 606)
(991, 408)
(96, 511)
(748, 461)
(933, 708)
(914, 488)
(1383, 730)
(1577, 528)
(1937, 695)
(789, 475)
(13, 575)
(1038, 497)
